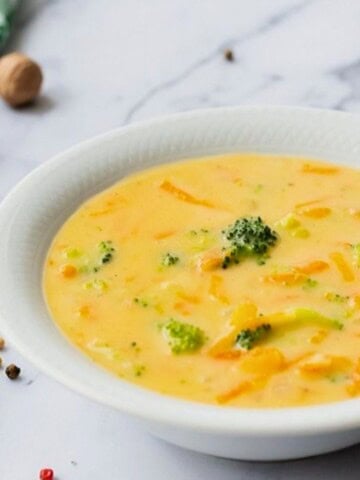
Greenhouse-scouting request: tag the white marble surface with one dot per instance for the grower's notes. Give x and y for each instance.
(111, 62)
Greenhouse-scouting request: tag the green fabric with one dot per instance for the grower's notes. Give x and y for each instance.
(7, 9)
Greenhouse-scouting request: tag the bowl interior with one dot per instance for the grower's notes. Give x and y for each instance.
(37, 207)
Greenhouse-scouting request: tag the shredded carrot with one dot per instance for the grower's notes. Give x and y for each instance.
(166, 234)
(215, 289)
(316, 266)
(244, 316)
(317, 363)
(263, 361)
(319, 169)
(342, 266)
(223, 344)
(229, 355)
(233, 393)
(182, 195)
(189, 298)
(68, 271)
(319, 212)
(285, 278)
(210, 260)
(322, 363)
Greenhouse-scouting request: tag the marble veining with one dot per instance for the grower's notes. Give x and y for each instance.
(107, 64)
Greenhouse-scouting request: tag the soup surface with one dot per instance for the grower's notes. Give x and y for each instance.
(231, 280)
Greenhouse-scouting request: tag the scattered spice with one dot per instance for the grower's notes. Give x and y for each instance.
(12, 371)
(20, 79)
(229, 55)
(46, 474)
(2, 343)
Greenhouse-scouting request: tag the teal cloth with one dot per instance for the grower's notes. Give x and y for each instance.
(7, 9)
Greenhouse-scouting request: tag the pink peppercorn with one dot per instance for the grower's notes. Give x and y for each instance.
(46, 474)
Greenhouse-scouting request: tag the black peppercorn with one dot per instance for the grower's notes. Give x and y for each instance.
(12, 371)
(229, 55)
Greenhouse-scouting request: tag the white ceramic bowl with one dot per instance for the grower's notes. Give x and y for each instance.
(36, 208)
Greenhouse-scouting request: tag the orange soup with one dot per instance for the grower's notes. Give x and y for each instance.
(231, 280)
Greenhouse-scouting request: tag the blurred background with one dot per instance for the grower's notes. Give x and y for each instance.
(112, 62)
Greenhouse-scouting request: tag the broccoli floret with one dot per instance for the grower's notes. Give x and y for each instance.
(336, 297)
(310, 283)
(248, 236)
(169, 259)
(141, 301)
(183, 337)
(247, 338)
(107, 252)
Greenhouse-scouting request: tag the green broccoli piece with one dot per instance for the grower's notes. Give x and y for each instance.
(309, 284)
(308, 316)
(336, 297)
(107, 252)
(169, 259)
(248, 236)
(141, 301)
(183, 337)
(247, 338)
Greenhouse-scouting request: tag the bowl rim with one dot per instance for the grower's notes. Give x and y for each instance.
(158, 408)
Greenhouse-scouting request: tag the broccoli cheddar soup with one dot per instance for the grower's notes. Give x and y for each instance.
(231, 280)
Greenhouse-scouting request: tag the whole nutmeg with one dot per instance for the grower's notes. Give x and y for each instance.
(20, 79)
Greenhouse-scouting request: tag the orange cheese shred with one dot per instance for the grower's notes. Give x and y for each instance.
(319, 169)
(182, 195)
(318, 212)
(233, 393)
(165, 234)
(316, 266)
(210, 260)
(285, 278)
(343, 267)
